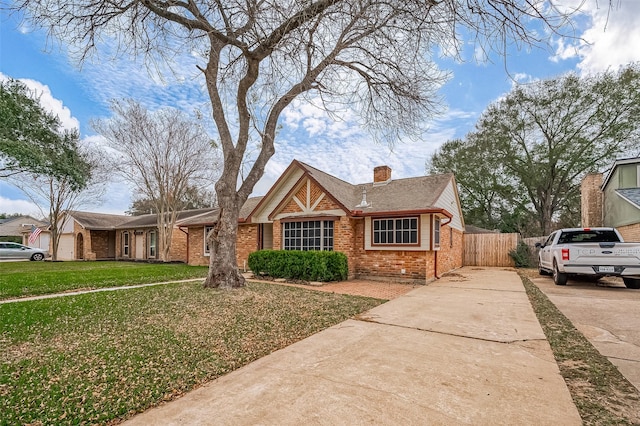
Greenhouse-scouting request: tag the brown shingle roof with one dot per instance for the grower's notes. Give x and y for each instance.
(150, 220)
(409, 194)
(98, 221)
(101, 221)
(211, 216)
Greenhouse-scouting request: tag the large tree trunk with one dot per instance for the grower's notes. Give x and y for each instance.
(223, 267)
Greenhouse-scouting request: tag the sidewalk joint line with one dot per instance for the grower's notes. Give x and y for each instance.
(448, 334)
(95, 290)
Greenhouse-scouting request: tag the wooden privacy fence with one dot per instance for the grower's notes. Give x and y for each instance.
(488, 249)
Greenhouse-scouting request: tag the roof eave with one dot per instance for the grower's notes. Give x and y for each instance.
(397, 213)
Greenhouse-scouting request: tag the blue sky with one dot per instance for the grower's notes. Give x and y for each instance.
(341, 148)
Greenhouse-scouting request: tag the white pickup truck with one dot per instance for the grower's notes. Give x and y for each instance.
(596, 252)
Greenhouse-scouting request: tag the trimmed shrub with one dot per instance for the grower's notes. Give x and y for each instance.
(521, 255)
(300, 265)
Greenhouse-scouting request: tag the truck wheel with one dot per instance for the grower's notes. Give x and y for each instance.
(558, 277)
(633, 283)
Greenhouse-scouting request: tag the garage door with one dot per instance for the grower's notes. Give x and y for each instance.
(65, 247)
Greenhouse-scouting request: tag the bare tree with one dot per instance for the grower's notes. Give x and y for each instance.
(164, 155)
(260, 55)
(56, 195)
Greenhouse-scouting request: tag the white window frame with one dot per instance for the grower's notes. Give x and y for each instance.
(436, 232)
(153, 244)
(292, 233)
(126, 244)
(384, 222)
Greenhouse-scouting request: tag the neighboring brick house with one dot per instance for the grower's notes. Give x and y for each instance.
(614, 199)
(98, 236)
(404, 229)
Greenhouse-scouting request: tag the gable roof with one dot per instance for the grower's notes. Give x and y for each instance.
(617, 163)
(397, 196)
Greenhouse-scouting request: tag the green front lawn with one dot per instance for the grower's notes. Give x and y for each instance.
(19, 279)
(99, 357)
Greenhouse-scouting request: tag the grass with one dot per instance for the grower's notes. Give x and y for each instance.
(602, 395)
(21, 279)
(102, 357)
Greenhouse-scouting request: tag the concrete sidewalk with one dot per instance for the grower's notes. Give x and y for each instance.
(466, 349)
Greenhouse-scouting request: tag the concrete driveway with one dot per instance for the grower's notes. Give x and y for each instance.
(465, 350)
(606, 313)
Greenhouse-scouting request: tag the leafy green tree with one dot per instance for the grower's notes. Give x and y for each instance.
(31, 139)
(530, 149)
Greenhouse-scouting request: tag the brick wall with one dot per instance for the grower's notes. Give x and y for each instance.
(451, 250)
(591, 200)
(196, 246)
(178, 249)
(99, 245)
(344, 241)
(630, 233)
(247, 242)
(291, 207)
(277, 235)
(82, 251)
(387, 263)
(348, 238)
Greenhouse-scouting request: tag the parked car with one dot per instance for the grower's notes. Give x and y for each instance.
(19, 251)
(595, 252)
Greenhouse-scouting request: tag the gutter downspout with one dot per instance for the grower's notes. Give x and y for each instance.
(187, 234)
(435, 257)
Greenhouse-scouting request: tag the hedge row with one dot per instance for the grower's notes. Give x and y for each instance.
(300, 265)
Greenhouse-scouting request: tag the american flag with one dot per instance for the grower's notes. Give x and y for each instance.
(33, 236)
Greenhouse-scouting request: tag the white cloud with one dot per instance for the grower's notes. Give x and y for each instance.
(353, 158)
(11, 206)
(49, 102)
(609, 39)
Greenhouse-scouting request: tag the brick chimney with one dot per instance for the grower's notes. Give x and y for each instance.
(591, 200)
(381, 174)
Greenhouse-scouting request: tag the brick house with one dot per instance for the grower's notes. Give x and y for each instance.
(98, 236)
(404, 229)
(613, 199)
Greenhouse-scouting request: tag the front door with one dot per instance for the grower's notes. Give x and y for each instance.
(139, 246)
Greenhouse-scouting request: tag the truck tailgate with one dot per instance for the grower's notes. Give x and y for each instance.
(606, 254)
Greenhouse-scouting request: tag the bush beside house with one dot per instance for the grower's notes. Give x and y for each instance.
(300, 265)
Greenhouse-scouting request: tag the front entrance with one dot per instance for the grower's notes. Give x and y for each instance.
(139, 246)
